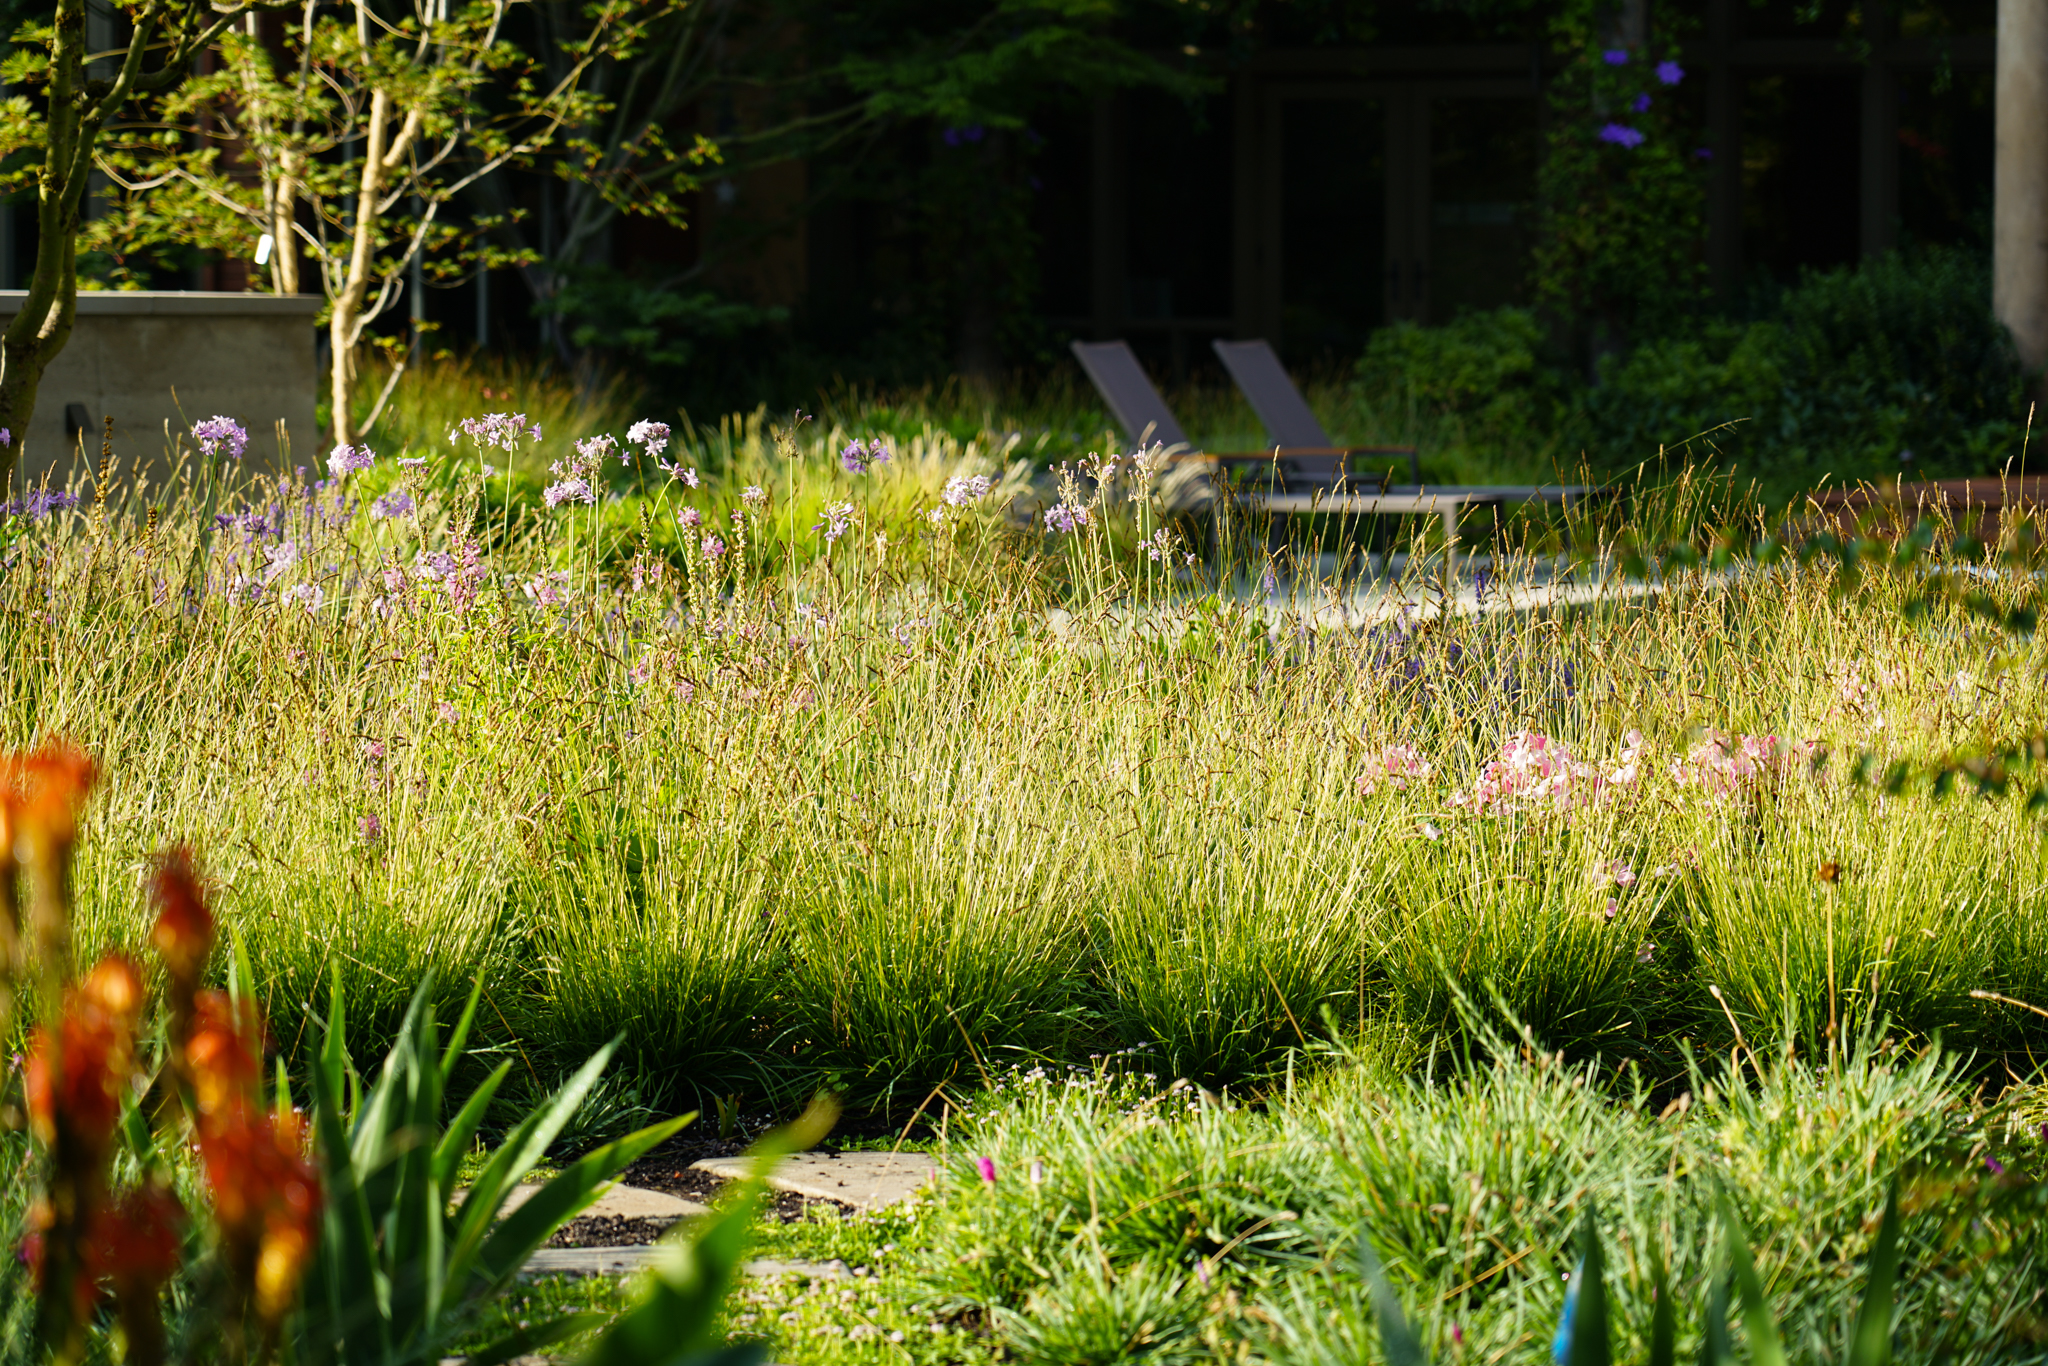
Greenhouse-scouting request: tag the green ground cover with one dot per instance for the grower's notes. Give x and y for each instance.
(892, 793)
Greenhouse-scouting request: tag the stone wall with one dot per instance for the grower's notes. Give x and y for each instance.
(147, 358)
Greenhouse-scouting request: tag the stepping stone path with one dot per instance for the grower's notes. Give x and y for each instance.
(621, 1202)
(866, 1181)
(863, 1181)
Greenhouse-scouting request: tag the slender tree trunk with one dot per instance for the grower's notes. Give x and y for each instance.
(2019, 180)
(343, 327)
(42, 327)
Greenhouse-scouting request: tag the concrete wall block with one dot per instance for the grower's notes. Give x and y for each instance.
(246, 356)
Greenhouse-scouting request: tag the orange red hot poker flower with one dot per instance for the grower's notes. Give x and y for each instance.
(266, 1192)
(183, 934)
(74, 1077)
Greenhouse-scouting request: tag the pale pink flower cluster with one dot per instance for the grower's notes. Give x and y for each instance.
(1395, 766)
(1533, 769)
(1723, 765)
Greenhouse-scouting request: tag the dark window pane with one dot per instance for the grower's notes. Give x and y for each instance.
(1482, 175)
(1333, 225)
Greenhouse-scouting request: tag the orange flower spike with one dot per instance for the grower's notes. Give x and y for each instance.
(52, 785)
(79, 1076)
(48, 791)
(183, 935)
(139, 1240)
(224, 1062)
(137, 1245)
(266, 1198)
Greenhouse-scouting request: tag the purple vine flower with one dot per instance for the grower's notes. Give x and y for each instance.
(1615, 56)
(1621, 135)
(1641, 104)
(1670, 73)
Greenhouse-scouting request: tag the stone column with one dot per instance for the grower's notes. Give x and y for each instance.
(2019, 195)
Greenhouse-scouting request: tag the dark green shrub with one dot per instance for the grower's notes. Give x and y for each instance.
(1894, 367)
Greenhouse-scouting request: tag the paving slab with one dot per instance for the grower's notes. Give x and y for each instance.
(621, 1202)
(589, 1261)
(866, 1181)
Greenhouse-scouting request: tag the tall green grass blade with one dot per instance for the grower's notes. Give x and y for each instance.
(521, 1342)
(458, 1038)
(346, 1282)
(1765, 1347)
(1871, 1344)
(241, 976)
(1397, 1339)
(1663, 1314)
(1589, 1343)
(461, 1131)
(516, 1156)
(676, 1321)
(563, 1198)
(1715, 1345)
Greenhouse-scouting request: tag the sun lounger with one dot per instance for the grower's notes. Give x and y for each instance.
(1128, 391)
(1303, 472)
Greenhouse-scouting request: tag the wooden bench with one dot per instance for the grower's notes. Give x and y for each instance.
(1890, 510)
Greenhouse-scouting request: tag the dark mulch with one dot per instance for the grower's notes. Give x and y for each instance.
(608, 1230)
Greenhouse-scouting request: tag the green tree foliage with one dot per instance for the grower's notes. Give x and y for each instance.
(48, 138)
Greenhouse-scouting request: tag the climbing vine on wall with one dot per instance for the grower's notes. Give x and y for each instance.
(1623, 178)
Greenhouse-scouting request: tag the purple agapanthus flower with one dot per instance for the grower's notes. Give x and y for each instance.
(568, 491)
(838, 517)
(219, 435)
(1621, 135)
(861, 456)
(963, 489)
(1066, 517)
(648, 434)
(37, 504)
(502, 430)
(397, 503)
(347, 458)
(1641, 104)
(1615, 56)
(1670, 73)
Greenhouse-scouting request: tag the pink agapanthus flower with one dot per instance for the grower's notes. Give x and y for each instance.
(1723, 765)
(1533, 769)
(1395, 766)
